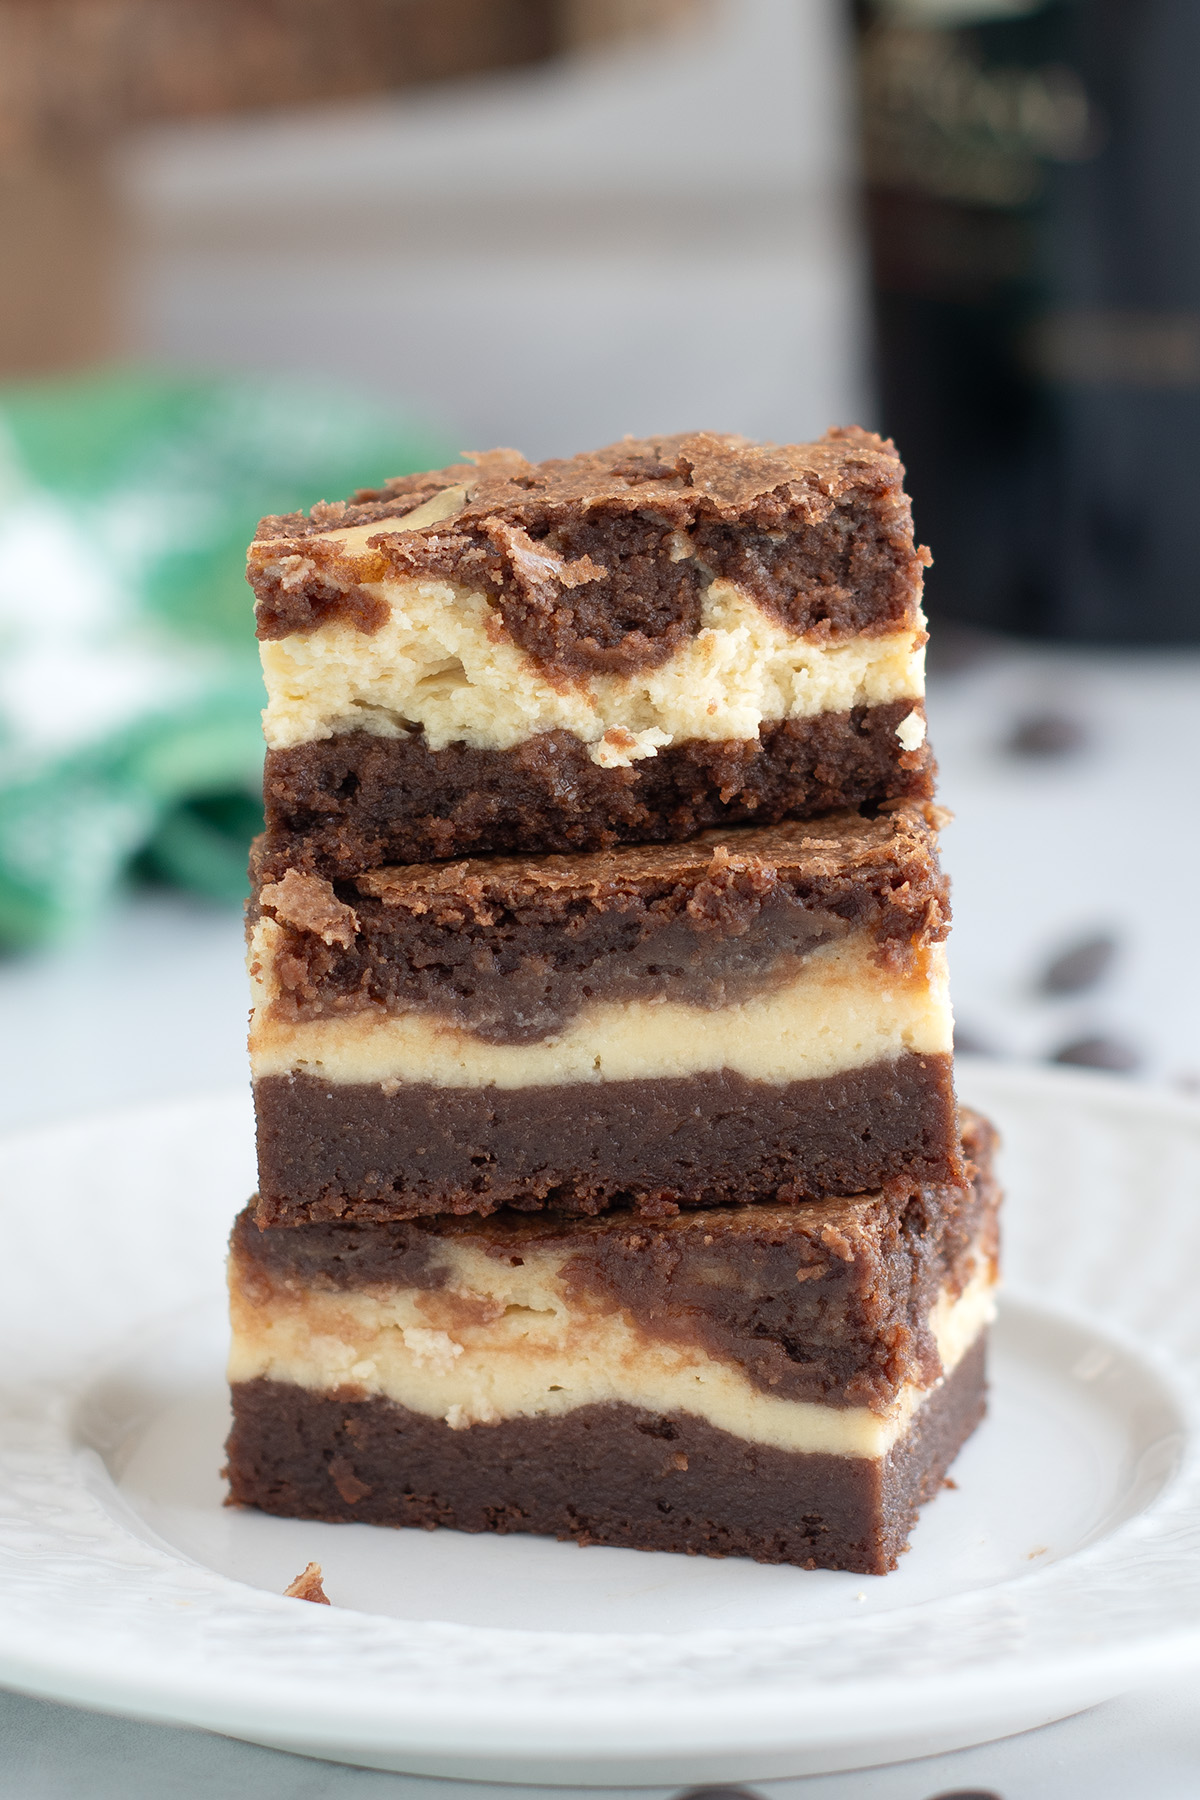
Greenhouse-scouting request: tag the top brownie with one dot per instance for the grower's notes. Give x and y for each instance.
(626, 645)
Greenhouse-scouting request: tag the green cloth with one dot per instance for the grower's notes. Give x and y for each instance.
(130, 693)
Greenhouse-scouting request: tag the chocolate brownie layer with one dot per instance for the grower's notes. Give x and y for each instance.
(581, 556)
(517, 1372)
(329, 1150)
(604, 1474)
(529, 641)
(836, 1302)
(512, 951)
(356, 800)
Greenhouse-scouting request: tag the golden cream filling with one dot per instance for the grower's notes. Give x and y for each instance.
(439, 662)
(841, 1010)
(502, 1343)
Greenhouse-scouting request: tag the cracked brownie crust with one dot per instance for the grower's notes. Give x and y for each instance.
(626, 646)
(511, 950)
(580, 555)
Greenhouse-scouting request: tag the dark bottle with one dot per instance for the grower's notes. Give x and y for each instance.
(1032, 173)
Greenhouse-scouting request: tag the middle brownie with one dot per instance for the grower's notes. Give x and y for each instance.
(758, 1015)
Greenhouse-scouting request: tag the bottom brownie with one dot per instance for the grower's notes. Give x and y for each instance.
(608, 1474)
(787, 1383)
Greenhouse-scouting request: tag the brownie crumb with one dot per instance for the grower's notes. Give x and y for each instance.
(310, 904)
(307, 1586)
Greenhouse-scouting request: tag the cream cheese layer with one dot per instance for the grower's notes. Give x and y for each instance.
(442, 662)
(842, 1009)
(506, 1342)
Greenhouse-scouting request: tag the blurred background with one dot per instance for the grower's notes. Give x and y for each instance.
(260, 252)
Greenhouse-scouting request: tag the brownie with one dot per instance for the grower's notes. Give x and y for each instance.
(757, 1015)
(783, 1383)
(510, 949)
(624, 646)
(578, 553)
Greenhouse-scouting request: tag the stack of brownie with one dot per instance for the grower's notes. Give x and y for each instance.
(611, 1180)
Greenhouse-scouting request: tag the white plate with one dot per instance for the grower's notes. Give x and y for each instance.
(1062, 1569)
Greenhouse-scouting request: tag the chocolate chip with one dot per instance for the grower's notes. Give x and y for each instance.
(1079, 967)
(724, 1793)
(1046, 734)
(967, 1794)
(1099, 1053)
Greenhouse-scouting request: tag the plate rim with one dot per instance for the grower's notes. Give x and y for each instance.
(772, 1705)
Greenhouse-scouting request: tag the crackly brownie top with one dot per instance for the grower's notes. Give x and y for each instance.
(597, 563)
(510, 948)
(897, 848)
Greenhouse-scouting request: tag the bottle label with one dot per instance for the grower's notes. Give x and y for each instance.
(956, 12)
(942, 120)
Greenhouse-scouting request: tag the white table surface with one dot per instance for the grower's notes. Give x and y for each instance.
(1043, 851)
